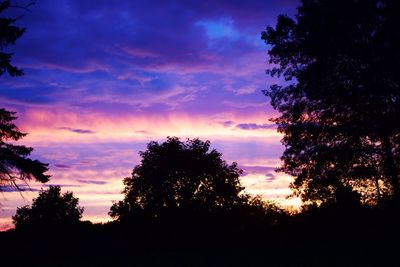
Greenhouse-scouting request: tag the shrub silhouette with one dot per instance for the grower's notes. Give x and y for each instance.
(49, 208)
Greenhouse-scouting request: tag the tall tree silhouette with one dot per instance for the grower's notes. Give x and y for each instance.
(176, 175)
(14, 162)
(340, 101)
(49, 208)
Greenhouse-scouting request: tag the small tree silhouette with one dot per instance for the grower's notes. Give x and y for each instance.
(180, 176)
(49, 208)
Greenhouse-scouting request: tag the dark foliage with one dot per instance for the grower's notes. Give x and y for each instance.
(181, 177)
(14, 162)
(340, 102)
(50, 208)
(9, 33)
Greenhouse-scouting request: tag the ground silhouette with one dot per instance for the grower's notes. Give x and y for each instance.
(327, 236)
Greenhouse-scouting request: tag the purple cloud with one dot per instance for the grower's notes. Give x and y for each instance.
(79, 131)
(10, 189)
(144, 132)
(264, 170)
(88, 60)
(270, 177)
(228, 123)
(62, 166)
(92, 182)
(255, 126)
(61, 185)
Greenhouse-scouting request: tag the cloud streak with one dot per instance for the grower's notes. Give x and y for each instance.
(78, 131)
(255, 126)
(97, 182)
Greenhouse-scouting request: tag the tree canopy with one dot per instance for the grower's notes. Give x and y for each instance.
(176, 175)
(49, 208)
(340, 98)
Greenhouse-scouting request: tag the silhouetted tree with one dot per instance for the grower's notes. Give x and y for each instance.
(340, 101)
(14, 162)
(184, 176)
(49, 208)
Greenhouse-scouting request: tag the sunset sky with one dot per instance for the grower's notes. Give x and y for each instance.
(103, 78)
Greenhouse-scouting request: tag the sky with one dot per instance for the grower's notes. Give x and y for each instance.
(103, 78)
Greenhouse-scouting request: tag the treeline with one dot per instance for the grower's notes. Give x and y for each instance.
(324, 236)
(184, 206)
(175, 181)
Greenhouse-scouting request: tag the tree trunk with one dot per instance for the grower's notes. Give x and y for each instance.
(378, 191)
(390, 168)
